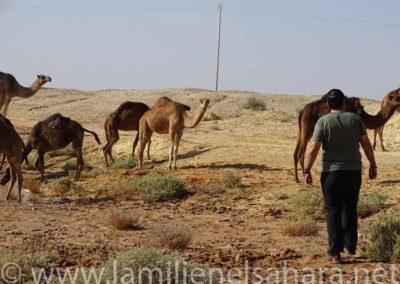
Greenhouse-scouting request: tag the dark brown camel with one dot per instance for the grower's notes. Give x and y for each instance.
(126, 117)
(55, 133)
(307, 119)
(385, 105)
(12, 147)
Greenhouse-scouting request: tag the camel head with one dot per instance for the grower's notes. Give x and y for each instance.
(394, 100)
(353, 104)
(42, 79)
(204, 102)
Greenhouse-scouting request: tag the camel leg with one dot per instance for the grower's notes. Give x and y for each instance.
(374, 143)
(380, 132)
(13, 180)
(6, 104)
(79, 161)
(39, 163)
(148, 149)
(144, 137)
(107, 150)
(178, 137)
(171, 150)
(20, 179)
(135, 142)
(296, 159)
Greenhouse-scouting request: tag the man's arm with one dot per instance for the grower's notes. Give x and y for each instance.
(369, 152)
(310, 158)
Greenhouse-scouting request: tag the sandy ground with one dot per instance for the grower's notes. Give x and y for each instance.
(228, 225)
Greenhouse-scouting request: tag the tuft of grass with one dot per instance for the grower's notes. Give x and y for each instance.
(67, 151)
(151, 265)
(123, 220)
(370, 204)
(125, 163)
(300, 228)
(171, 236)
(309, 203)
(384, 241)
(69, 165)
(26, 261)
(255, 104)
(231, 180)
(160, 188)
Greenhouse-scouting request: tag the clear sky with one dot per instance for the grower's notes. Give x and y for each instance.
(296, 47)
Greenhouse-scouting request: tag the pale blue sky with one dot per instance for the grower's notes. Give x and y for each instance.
(296, 47)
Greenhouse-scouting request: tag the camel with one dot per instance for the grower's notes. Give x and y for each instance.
(10, 88)
(54, 133)
(12, 147)
(168, 117)
(126, 117)
(307, 119)
(384, 107)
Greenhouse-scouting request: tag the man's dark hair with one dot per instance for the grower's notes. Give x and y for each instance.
(335, 98)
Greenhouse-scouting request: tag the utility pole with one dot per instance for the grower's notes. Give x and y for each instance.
(220, 5)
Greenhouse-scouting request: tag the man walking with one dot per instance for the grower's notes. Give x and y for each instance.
(340, 134)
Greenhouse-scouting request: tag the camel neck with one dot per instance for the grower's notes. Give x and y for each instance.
(25, 92)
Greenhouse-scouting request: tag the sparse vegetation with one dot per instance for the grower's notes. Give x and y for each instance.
(26, 261)
(231, 180)
(160, 188)
(152, 266)
(63, 185)
(309, 203)
(69, 165)
(67, 151)
(124, 163)
(255, 104)
(171, 236)
(212, 117)
(123, 220)
(301, 227)
(370, 204)
(384, 241)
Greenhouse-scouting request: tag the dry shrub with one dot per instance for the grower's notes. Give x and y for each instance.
(124, 163)
(160, 188)
(171, 236)
(123, 220)
(300, 228)
(231, 180)
(255, 104)
(309, 203)
(384, 241)
(370, 204)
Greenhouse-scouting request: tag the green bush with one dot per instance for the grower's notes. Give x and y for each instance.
(370, 204)
(309, 203)
(26, 261)
(384, 241)
(126, 163)
(255, 104)
(160, 188)
(69, 165)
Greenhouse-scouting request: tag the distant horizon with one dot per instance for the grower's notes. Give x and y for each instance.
(270, 47)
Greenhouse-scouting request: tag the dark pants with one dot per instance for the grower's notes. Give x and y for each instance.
(341, 190)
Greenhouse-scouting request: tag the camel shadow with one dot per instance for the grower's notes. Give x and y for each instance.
(390, 181)
(187, 155)
(246, 166)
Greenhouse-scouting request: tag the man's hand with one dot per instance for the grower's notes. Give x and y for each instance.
(308, 176)
(373, 172)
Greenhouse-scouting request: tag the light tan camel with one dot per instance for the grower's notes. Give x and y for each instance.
(168, 117)
(385, 105)
(307, 119)
(10, 88)
(12, 146)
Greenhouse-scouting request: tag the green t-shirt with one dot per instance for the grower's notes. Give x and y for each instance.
(340, 134)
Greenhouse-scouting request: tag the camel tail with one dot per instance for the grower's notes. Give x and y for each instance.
(94, 134)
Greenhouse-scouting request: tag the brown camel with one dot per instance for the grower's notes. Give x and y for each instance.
(12, 147)
(54, 133)
(126, 117)
(385, 105)
(168, 117)
(307, 119)
(10, 88)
